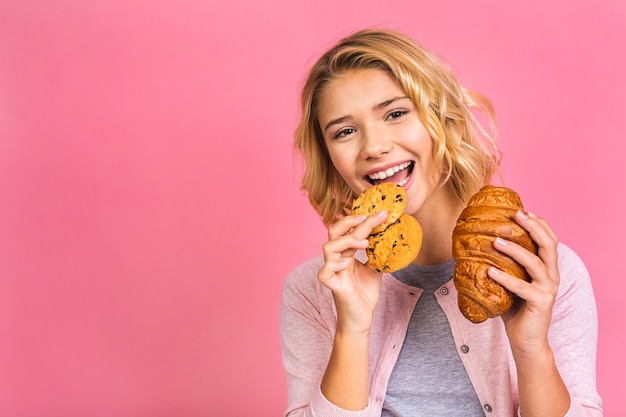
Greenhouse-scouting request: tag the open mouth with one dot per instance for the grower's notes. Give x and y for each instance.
(398, 174)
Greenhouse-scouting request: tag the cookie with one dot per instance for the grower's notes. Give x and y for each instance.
(386, 196)
(397, 246)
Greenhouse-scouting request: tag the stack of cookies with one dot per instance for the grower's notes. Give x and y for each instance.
(394, 244)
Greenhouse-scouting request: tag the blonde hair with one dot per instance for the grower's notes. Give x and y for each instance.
(462, 148)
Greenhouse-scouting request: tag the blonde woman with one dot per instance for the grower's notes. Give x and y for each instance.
(378, 107)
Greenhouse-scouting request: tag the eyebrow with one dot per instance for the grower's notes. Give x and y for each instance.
(376, 107)
(389, 102)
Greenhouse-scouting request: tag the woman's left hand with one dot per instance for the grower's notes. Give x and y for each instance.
(528, 321)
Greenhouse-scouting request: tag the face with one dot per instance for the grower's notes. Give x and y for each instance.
(373, 134)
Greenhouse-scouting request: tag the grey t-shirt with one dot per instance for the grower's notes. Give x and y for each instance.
(429, 378)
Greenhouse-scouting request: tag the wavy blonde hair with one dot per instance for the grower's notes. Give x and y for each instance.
(463, 149)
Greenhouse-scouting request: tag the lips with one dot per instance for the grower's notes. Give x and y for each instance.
(398, 174)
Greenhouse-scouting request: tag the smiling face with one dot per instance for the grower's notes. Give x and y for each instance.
(374, 134)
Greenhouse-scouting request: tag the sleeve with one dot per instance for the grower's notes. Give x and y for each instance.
(574, 333)
(306, 335)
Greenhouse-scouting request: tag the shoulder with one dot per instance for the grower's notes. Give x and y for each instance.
(572, 269)
(575, 289)
(568, 259)
(301, 282)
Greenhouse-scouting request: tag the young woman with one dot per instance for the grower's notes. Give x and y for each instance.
(379, 107)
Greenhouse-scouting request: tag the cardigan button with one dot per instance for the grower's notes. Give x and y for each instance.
(443, 291)
(464, 348)
(487, 408)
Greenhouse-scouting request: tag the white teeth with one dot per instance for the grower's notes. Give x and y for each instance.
(381, 175)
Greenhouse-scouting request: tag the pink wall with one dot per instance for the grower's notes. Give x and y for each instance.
(149, 206)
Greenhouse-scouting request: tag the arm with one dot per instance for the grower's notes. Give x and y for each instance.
(327, 370)
(356, 290)
(574, 334)
(546, 325)
(306, 336)
(345, 381)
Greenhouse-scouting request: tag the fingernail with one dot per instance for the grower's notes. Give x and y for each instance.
(382, 213)
(522, 214)
(531, 214)
(494, 271)
(501, 241)
(360, 217)
(364, 242)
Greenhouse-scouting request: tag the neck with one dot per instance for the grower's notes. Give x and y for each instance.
(438, 218)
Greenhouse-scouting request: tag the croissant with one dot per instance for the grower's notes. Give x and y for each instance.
(489, 214)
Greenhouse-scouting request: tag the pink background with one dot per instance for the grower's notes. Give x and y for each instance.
(149, 204)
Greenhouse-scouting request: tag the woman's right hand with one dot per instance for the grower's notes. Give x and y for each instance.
(355, 286)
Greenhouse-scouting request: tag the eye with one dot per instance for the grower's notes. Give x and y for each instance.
(343, 132)
(396, 114)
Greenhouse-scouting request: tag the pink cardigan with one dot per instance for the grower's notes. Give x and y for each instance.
(308, 323)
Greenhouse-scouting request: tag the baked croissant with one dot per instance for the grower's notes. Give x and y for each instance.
(489, 214)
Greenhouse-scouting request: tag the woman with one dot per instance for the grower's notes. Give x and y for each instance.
(378, 107)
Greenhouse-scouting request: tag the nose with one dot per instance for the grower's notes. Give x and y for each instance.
(375, 144)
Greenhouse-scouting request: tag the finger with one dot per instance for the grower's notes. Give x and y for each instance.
(330, 268)
(349, 235)
(546, 239)
(533, 264)
(344, 225)
(525, 290)
(363, 224)
(540, 220)
(364, 229)
(329, 274)
(343, 247)
(511, 283)
(538, 227)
